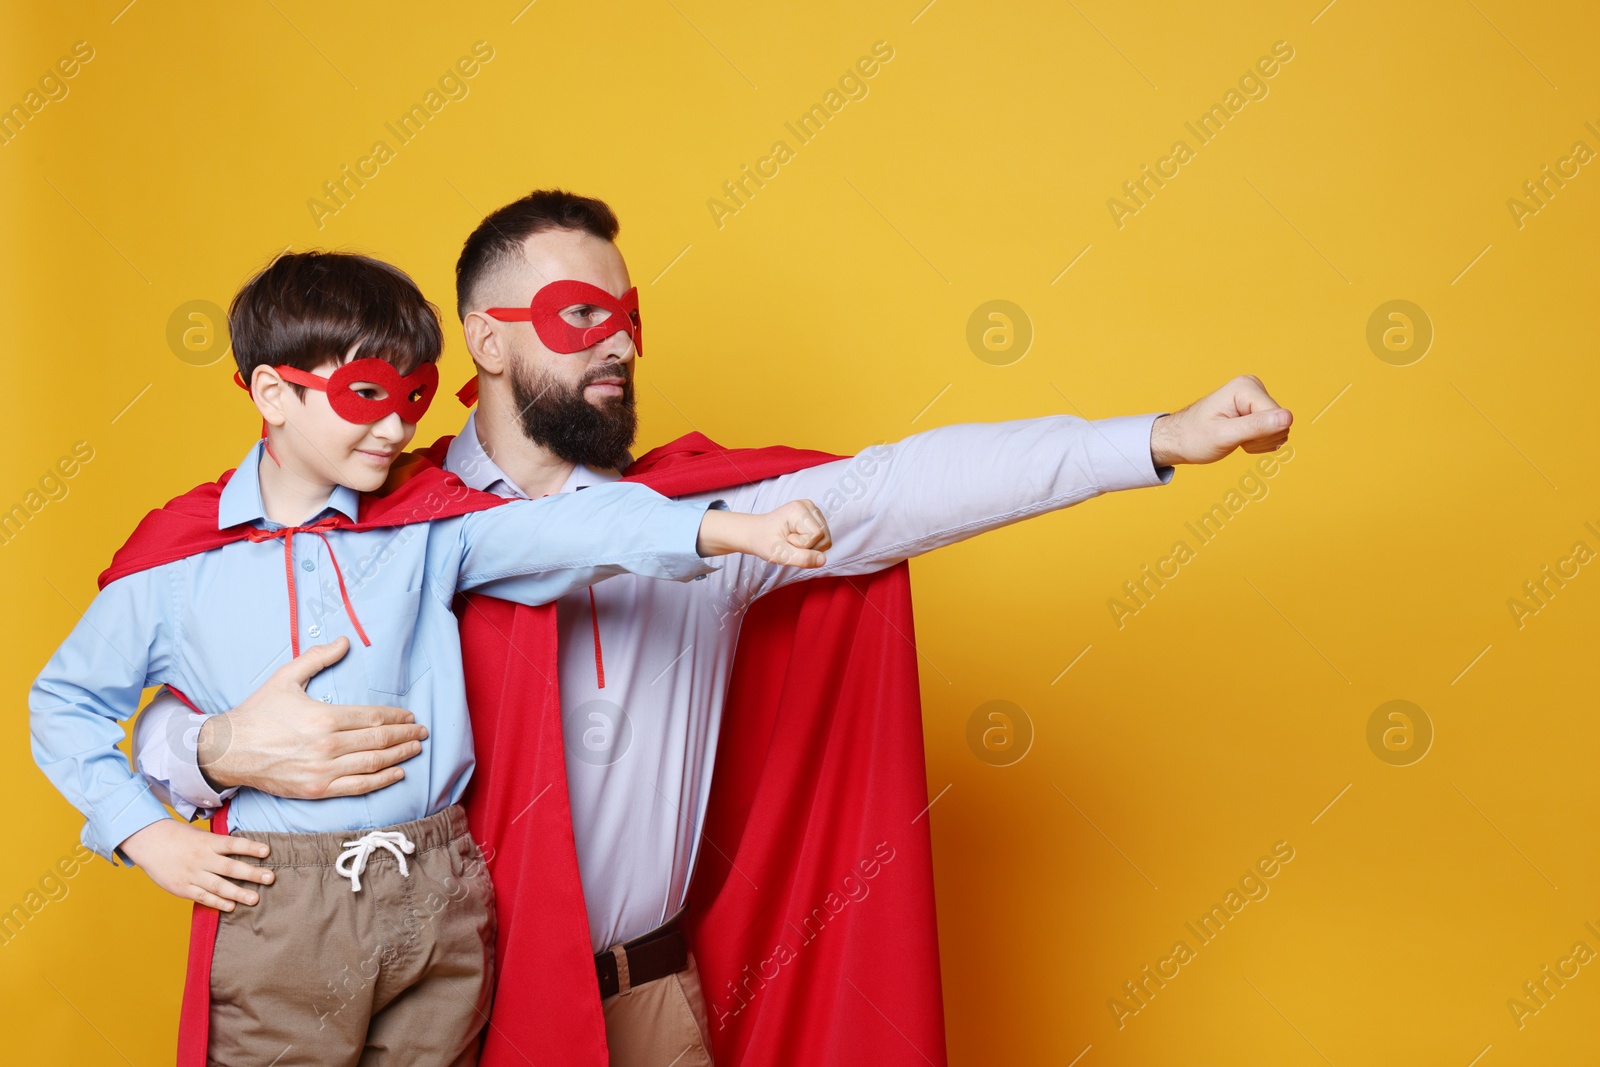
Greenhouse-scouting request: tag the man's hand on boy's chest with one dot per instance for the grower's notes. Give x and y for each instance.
(282, 741)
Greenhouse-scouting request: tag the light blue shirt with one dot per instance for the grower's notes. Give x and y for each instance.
(216, 624)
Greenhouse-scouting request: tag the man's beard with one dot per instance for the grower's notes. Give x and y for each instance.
(562, 420)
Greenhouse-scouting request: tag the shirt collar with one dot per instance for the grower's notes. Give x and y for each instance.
(467, 460)
(241, 497)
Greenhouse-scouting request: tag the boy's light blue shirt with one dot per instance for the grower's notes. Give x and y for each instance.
(215, 625)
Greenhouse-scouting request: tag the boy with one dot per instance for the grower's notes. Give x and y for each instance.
(339, 353)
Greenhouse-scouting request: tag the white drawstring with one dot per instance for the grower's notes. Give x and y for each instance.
(357, 853)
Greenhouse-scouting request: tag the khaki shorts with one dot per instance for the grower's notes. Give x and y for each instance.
(398, 973)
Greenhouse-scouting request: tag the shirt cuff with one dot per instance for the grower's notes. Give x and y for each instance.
(166, 736)
(124, 812)
(191, 793)
(716, 505)
(1119, 453)
(682, 523)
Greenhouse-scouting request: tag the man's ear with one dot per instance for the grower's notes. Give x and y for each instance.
(270, 393)
(483, 341)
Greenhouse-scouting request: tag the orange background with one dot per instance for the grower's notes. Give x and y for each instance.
(831, 310)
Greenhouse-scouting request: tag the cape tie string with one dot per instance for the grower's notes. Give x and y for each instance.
(287, 533)
(599, 664)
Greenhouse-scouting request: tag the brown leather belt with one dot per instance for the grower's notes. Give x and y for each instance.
(662, 951)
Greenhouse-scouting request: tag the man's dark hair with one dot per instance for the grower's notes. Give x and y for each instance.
(497, 242)
(308, 307)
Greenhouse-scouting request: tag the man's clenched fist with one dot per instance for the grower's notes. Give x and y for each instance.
(1239, 415)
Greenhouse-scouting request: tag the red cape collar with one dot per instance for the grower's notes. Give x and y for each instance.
(418, 490)
(694, 463)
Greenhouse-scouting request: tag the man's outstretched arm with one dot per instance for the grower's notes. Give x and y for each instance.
(892, 502)
(279, 739)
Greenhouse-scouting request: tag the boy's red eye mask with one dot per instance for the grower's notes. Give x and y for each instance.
(558, 334)
(409, 396)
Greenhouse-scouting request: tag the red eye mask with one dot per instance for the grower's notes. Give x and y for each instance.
(408, 396)
(558, 334)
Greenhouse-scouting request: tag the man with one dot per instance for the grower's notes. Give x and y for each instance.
(645, 672)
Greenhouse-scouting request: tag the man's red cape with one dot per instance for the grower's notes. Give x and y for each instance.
(811, 910)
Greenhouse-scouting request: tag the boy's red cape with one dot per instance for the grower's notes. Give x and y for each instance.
(811, 911)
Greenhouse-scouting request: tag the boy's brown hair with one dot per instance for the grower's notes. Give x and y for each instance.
(308, 307)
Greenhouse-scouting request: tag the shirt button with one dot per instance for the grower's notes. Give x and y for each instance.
(327, 698)
(307, 565)
(314, 630)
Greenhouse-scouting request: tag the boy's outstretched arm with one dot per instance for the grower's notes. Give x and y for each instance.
(536, 551)
(262, 743)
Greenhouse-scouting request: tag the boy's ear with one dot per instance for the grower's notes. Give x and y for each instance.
(483, 341)
(270, 393)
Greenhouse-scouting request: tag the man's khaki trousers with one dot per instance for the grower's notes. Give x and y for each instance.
(660, 1024)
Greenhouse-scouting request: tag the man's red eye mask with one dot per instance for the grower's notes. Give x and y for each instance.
(409, 396)
(558, 334)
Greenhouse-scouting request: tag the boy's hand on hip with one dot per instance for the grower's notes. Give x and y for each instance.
(283, 742)
(1239, 415)
(195, 864)
(794, 535)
